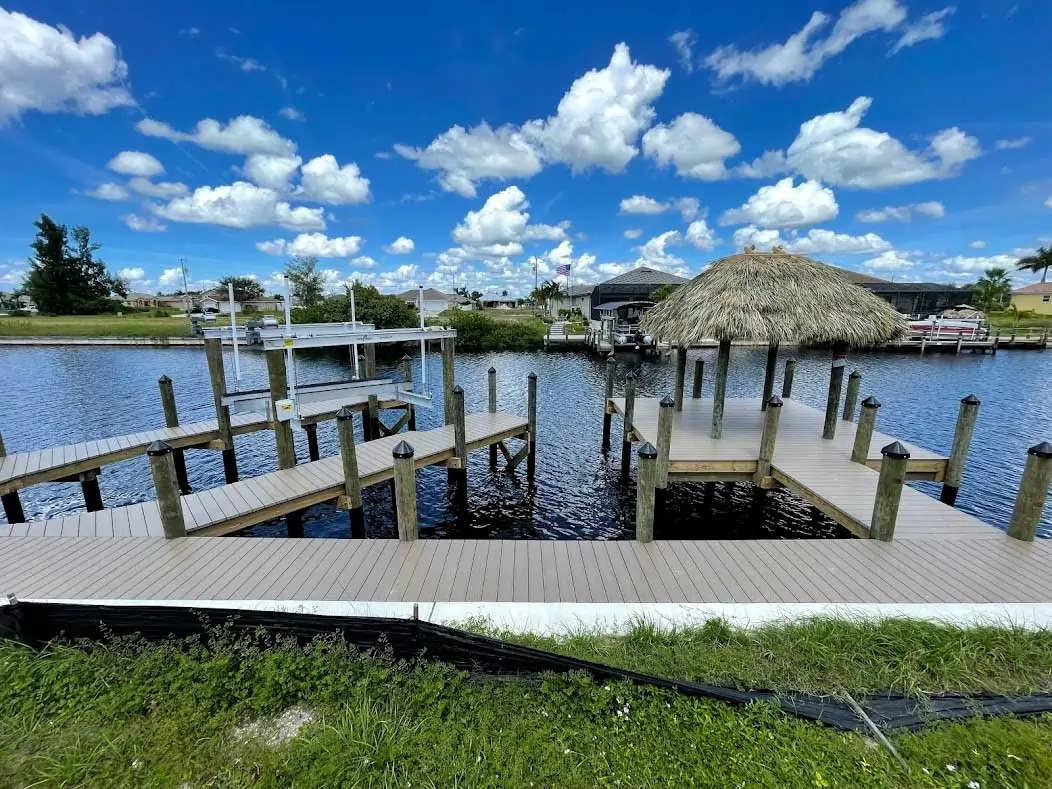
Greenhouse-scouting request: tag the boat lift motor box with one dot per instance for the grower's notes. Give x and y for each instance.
(284, 410)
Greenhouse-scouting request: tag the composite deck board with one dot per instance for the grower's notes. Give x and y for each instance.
(806, 571)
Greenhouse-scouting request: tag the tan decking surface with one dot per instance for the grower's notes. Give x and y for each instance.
(231, 507)
(793, 571)
(43, 465)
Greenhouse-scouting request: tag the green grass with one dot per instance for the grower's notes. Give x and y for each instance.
(166, 715)
(134, 325)
(1009, 320)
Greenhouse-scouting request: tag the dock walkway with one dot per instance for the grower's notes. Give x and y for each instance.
(232, 507)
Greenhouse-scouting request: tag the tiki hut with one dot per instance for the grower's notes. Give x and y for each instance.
(772, 297)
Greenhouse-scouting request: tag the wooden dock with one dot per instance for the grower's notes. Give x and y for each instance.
(230, 508)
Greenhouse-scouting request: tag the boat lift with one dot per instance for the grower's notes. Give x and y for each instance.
(334, 393)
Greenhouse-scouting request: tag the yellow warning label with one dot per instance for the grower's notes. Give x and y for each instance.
(289, 342)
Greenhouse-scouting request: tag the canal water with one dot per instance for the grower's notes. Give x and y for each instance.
(51, 396)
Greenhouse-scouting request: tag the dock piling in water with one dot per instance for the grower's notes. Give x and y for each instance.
(626, 438)
(282, 429)
(407, 377)
(854, 382)
(1033, 489)
(719, 396)
(352, 485)
(459, 475)
(405, 492)
(767, 439)
(531, 422)
(12, 503)
(171, 419)
(646, 493)
(836, 384)
(664, 435)
(89, 486)
(217, 376)
(373, 410)
(962, 439)
(608, 392)
(769, 373)
(787, 380)
(491, 376)
(889, 491)
(313, 452)
(681, 376)
(867, 420)
(699, 374)
(448, 374)
(162, 466)
(369, 354)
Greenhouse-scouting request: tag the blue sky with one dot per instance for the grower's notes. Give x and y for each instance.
(427, 143)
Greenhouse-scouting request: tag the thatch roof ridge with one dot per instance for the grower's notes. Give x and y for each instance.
(774, 296)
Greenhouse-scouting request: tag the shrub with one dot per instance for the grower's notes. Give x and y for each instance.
(478, 331)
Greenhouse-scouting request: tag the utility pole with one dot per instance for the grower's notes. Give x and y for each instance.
(186, 293)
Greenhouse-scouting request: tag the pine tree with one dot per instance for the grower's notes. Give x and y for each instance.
(65, 279)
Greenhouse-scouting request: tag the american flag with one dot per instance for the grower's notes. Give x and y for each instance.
(563, 270)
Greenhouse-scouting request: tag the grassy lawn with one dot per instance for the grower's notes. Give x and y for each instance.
(1009, 320)
(196, 714)
(98, 326)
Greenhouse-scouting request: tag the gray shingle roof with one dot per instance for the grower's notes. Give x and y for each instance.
(645, 276)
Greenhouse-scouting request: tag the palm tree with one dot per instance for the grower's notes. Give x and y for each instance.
(1039, 261)
(548, 293)
(992, 289)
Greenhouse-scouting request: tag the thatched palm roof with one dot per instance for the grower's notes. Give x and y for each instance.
(773, 297)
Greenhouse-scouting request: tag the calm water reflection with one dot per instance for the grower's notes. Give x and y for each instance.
(54, 396)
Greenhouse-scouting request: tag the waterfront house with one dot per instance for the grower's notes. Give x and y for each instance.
(912, 298)
(1035, 298)
(435, 301)
(501, 302)
(638, 284)
(577, 297)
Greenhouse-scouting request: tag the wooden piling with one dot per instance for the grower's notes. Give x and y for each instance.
(312, 441)
(407, 377)
(217, 376)
(854, 382)
(960, 342)
(352, 485)
(723, 358)
(889, 491)
(491, 378)
(448, 372)
(1033, 489)
(279, 391)
(867, 420)
(769, 373)
(459, 475)
(369, 356)
(836, 384)
(699, 375)
(608, 392)
(681, 376)
(171, 419)
(162, 466)
(787, 379)
(646, 493)
(373, 410)
(962, 439)
(89, 486)
(767, 440)
(12, 503)
(664, 437)
(531, 423)
(405, 492)
(626, 438)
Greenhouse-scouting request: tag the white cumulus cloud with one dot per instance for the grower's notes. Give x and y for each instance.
(273, 172)
(164, 190)
(400, 246)
(500, 227)
(48, 69)
(240, 205)
(785, 204)
(929, 27)
(1012, 144)
(132, 274)
(109, 191)
(641, 204)
(816, 241)
(902, 213)
(135, 163)
(144, 224)
(683, 41)
(633, 233)
(694, 145)
(313, 244)
(244, 134)
(889, 260)
(323, 180)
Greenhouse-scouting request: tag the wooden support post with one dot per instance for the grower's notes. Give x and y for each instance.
(646, 493)
(681, 376)
(787, 380)
(312, 441)
(373, 410)
(962, 440)
(531, 423)
(407, 378)
(352, 485)
(279, 391)
(997, 341)
(699, 375)
(836, 384)
(867, 420)
(162, 466)
(89, 485)
(491, 377)
(448, 373)
(960, 342)
(767, 439)
(217, 374)
(664, 436)
(769, 373)
(459, 476)
(369, 355)
(889, 492)
(854, 382)
(12, 503)
(405, 492)
(626, 438)
(723, 359)
(171, 419)
(924, 343)
(1033, 489)
(608, 392)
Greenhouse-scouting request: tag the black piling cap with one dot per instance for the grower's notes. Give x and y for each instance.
(896, 451)
(164, 379)
(458, 389)
(532, 376)
(344, 414)
(667, 401)
(648, 451)
(855, 374)
(774, 402)
(871, 402)
(402, 450)
(970, 400)
(492, 370)
(1042, 450)
(158, 448)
